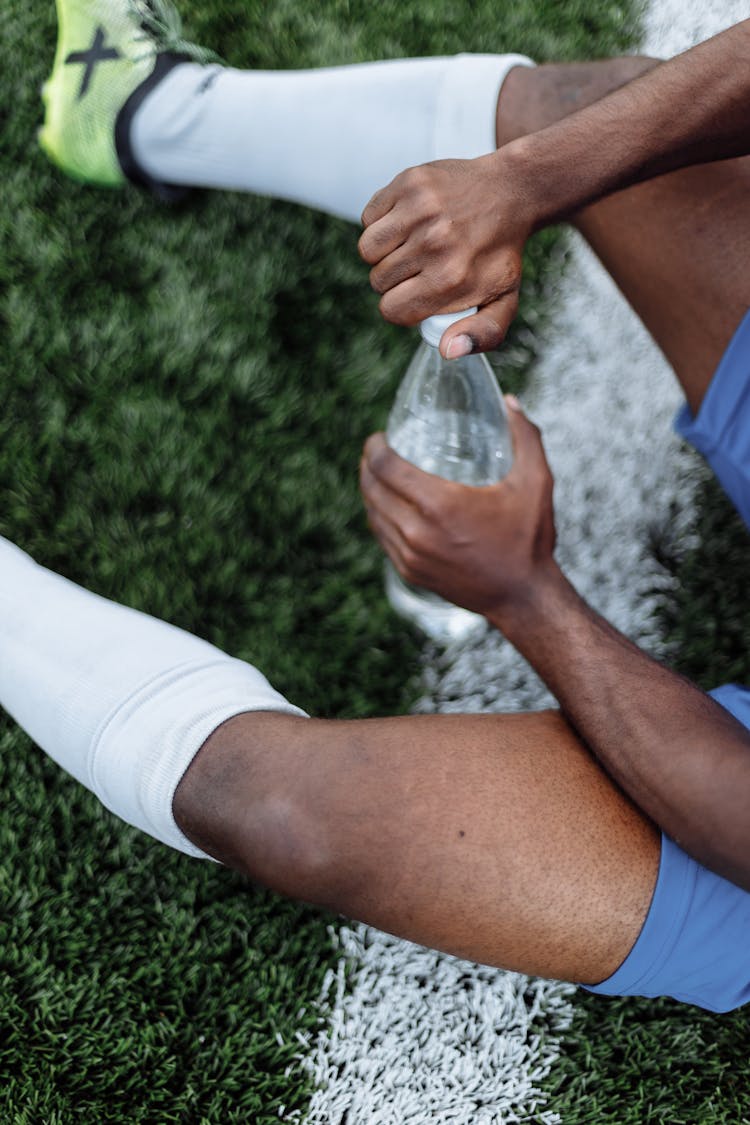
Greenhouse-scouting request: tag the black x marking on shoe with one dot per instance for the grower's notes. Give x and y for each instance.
(96, 53)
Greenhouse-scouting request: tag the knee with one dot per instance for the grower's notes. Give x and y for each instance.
(255, 798)
(288, 845)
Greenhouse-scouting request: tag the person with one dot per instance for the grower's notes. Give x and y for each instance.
(606, 842)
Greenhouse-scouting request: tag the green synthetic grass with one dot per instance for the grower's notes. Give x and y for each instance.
(184, 396)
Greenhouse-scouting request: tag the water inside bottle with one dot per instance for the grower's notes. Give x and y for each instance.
(467, 453)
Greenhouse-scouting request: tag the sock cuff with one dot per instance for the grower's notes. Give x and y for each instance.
(465, 122)
(141, 751)
(168, 193)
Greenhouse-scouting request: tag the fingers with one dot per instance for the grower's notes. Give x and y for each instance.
(392, 519)
(381, 466)
(406, 202)
(381, 203)
(416, 298)
(417, 275)
(398, 267)
(390, 539)
(448, 536)
(386, 224)
(382, 500)
(482, 332)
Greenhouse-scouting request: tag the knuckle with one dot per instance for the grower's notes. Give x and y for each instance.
(390, 308)
(376, 281)
(366, 244)
(434, 510)
(439, 234)
(422, 193)
(417, 540)
(511, 270)
(368, 212)
(545, 482)
(509, 280)
(416, 177)
(450, 276)
(491, 330)
(387, 275)
(411, 535)
(379, 457)
(379, 237)
(409, 564)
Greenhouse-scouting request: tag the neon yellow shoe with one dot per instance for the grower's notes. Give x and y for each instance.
(110, 53)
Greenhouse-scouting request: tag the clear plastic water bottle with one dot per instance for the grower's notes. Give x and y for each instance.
(448, 418)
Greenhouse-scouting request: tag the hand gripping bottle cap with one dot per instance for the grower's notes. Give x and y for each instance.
(433, 328)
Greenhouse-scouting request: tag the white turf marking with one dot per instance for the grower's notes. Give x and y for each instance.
(419, 1038)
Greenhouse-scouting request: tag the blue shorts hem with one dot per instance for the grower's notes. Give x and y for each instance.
(695, 942)
(670, 903)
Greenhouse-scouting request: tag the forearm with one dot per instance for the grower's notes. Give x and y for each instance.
(692, 109)
(682, 758)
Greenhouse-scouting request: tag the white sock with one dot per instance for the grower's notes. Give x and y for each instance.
(327, 138)
(120, 700)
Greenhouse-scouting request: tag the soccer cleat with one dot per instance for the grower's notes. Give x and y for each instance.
(110, 53)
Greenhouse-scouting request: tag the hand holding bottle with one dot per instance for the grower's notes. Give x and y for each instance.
(476, 547)
(448, 419)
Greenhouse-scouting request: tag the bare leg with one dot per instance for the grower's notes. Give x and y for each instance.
(677, 246)
(496, 838)
(493, 837)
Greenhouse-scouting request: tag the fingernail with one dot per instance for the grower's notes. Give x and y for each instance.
(458, 346)
(513, 402)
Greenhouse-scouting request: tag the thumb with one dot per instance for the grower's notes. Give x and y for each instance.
(483, 331)
(528, 450)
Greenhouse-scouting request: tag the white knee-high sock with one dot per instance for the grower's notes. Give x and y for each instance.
(327, 138)
(120, 700)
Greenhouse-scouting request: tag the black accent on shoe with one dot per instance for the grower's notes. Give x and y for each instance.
(97, 53)
(168, 193)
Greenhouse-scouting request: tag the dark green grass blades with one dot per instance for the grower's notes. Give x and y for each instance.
(706, 620)
(639, 1062)
(137, 986)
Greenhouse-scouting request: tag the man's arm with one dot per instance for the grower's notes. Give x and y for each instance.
(682, 758)
(449, 235)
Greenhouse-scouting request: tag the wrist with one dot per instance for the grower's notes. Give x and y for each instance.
(516, 183)
(536, 602)
(543, 186)
(565, 166)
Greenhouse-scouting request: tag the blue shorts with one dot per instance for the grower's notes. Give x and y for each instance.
(695, 942)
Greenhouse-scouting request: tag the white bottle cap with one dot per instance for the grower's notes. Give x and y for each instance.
(433, 328)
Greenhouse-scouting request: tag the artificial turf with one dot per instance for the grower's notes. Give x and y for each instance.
(185, 392)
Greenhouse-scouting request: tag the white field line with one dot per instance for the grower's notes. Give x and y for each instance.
(412, 1037)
